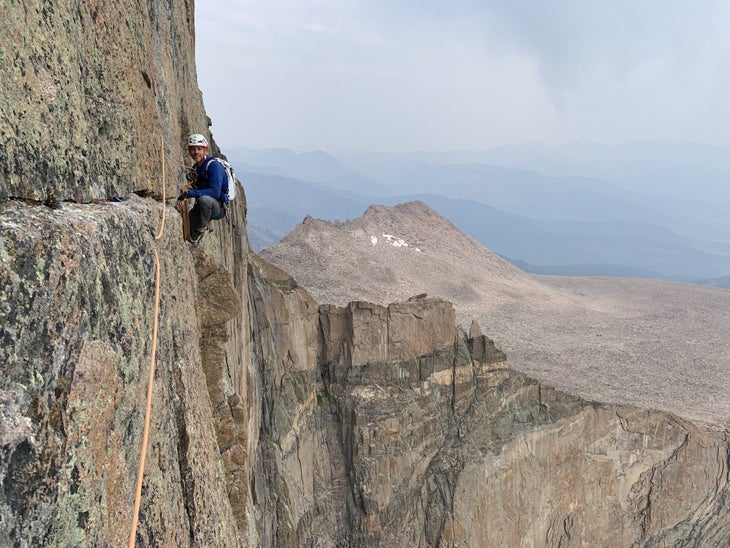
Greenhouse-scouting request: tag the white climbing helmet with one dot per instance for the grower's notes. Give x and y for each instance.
(197, 140)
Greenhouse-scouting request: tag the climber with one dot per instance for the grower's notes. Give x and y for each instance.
(205, 185)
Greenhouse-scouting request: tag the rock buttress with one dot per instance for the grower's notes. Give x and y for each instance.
(76, 315)
(431, 440)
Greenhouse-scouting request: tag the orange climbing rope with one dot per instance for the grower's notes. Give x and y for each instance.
(150, 381)
(164, 184)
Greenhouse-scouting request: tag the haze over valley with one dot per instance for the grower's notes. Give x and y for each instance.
(652, 210)
(596, 133)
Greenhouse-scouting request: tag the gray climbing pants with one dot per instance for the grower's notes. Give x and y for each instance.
(206, 209)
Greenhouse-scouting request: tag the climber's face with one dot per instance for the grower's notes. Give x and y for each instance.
(197, 153)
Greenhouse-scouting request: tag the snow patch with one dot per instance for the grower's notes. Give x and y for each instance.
(373, 240)
(395, 242)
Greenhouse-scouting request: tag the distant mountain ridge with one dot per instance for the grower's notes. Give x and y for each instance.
(317, 168)
(568, 247)
(568, 222)
(277, 203)
(686, 180)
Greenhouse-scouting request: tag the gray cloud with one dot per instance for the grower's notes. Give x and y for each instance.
(406, 75)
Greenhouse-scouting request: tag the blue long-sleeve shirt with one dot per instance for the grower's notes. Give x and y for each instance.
(211, 175)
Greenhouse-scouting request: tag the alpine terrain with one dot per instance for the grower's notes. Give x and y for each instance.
(651, 343)
(156, 392)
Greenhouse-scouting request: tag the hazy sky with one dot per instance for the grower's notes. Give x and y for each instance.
(464, 74)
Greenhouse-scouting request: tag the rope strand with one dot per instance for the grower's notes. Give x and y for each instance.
(164, 184)
(150, 381)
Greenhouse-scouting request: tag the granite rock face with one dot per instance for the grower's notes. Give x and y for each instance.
(444, 445)
(276, 421)
(76, 318)
(88, 90)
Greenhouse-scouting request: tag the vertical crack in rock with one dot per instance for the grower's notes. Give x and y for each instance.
(299, 457)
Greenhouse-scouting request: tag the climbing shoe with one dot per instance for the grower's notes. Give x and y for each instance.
(196, 236)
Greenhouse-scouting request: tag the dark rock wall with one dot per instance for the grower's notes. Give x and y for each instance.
(442, 444)
(88, 89)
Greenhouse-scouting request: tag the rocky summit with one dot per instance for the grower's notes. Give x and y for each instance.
(650, 343)
(279, 418)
